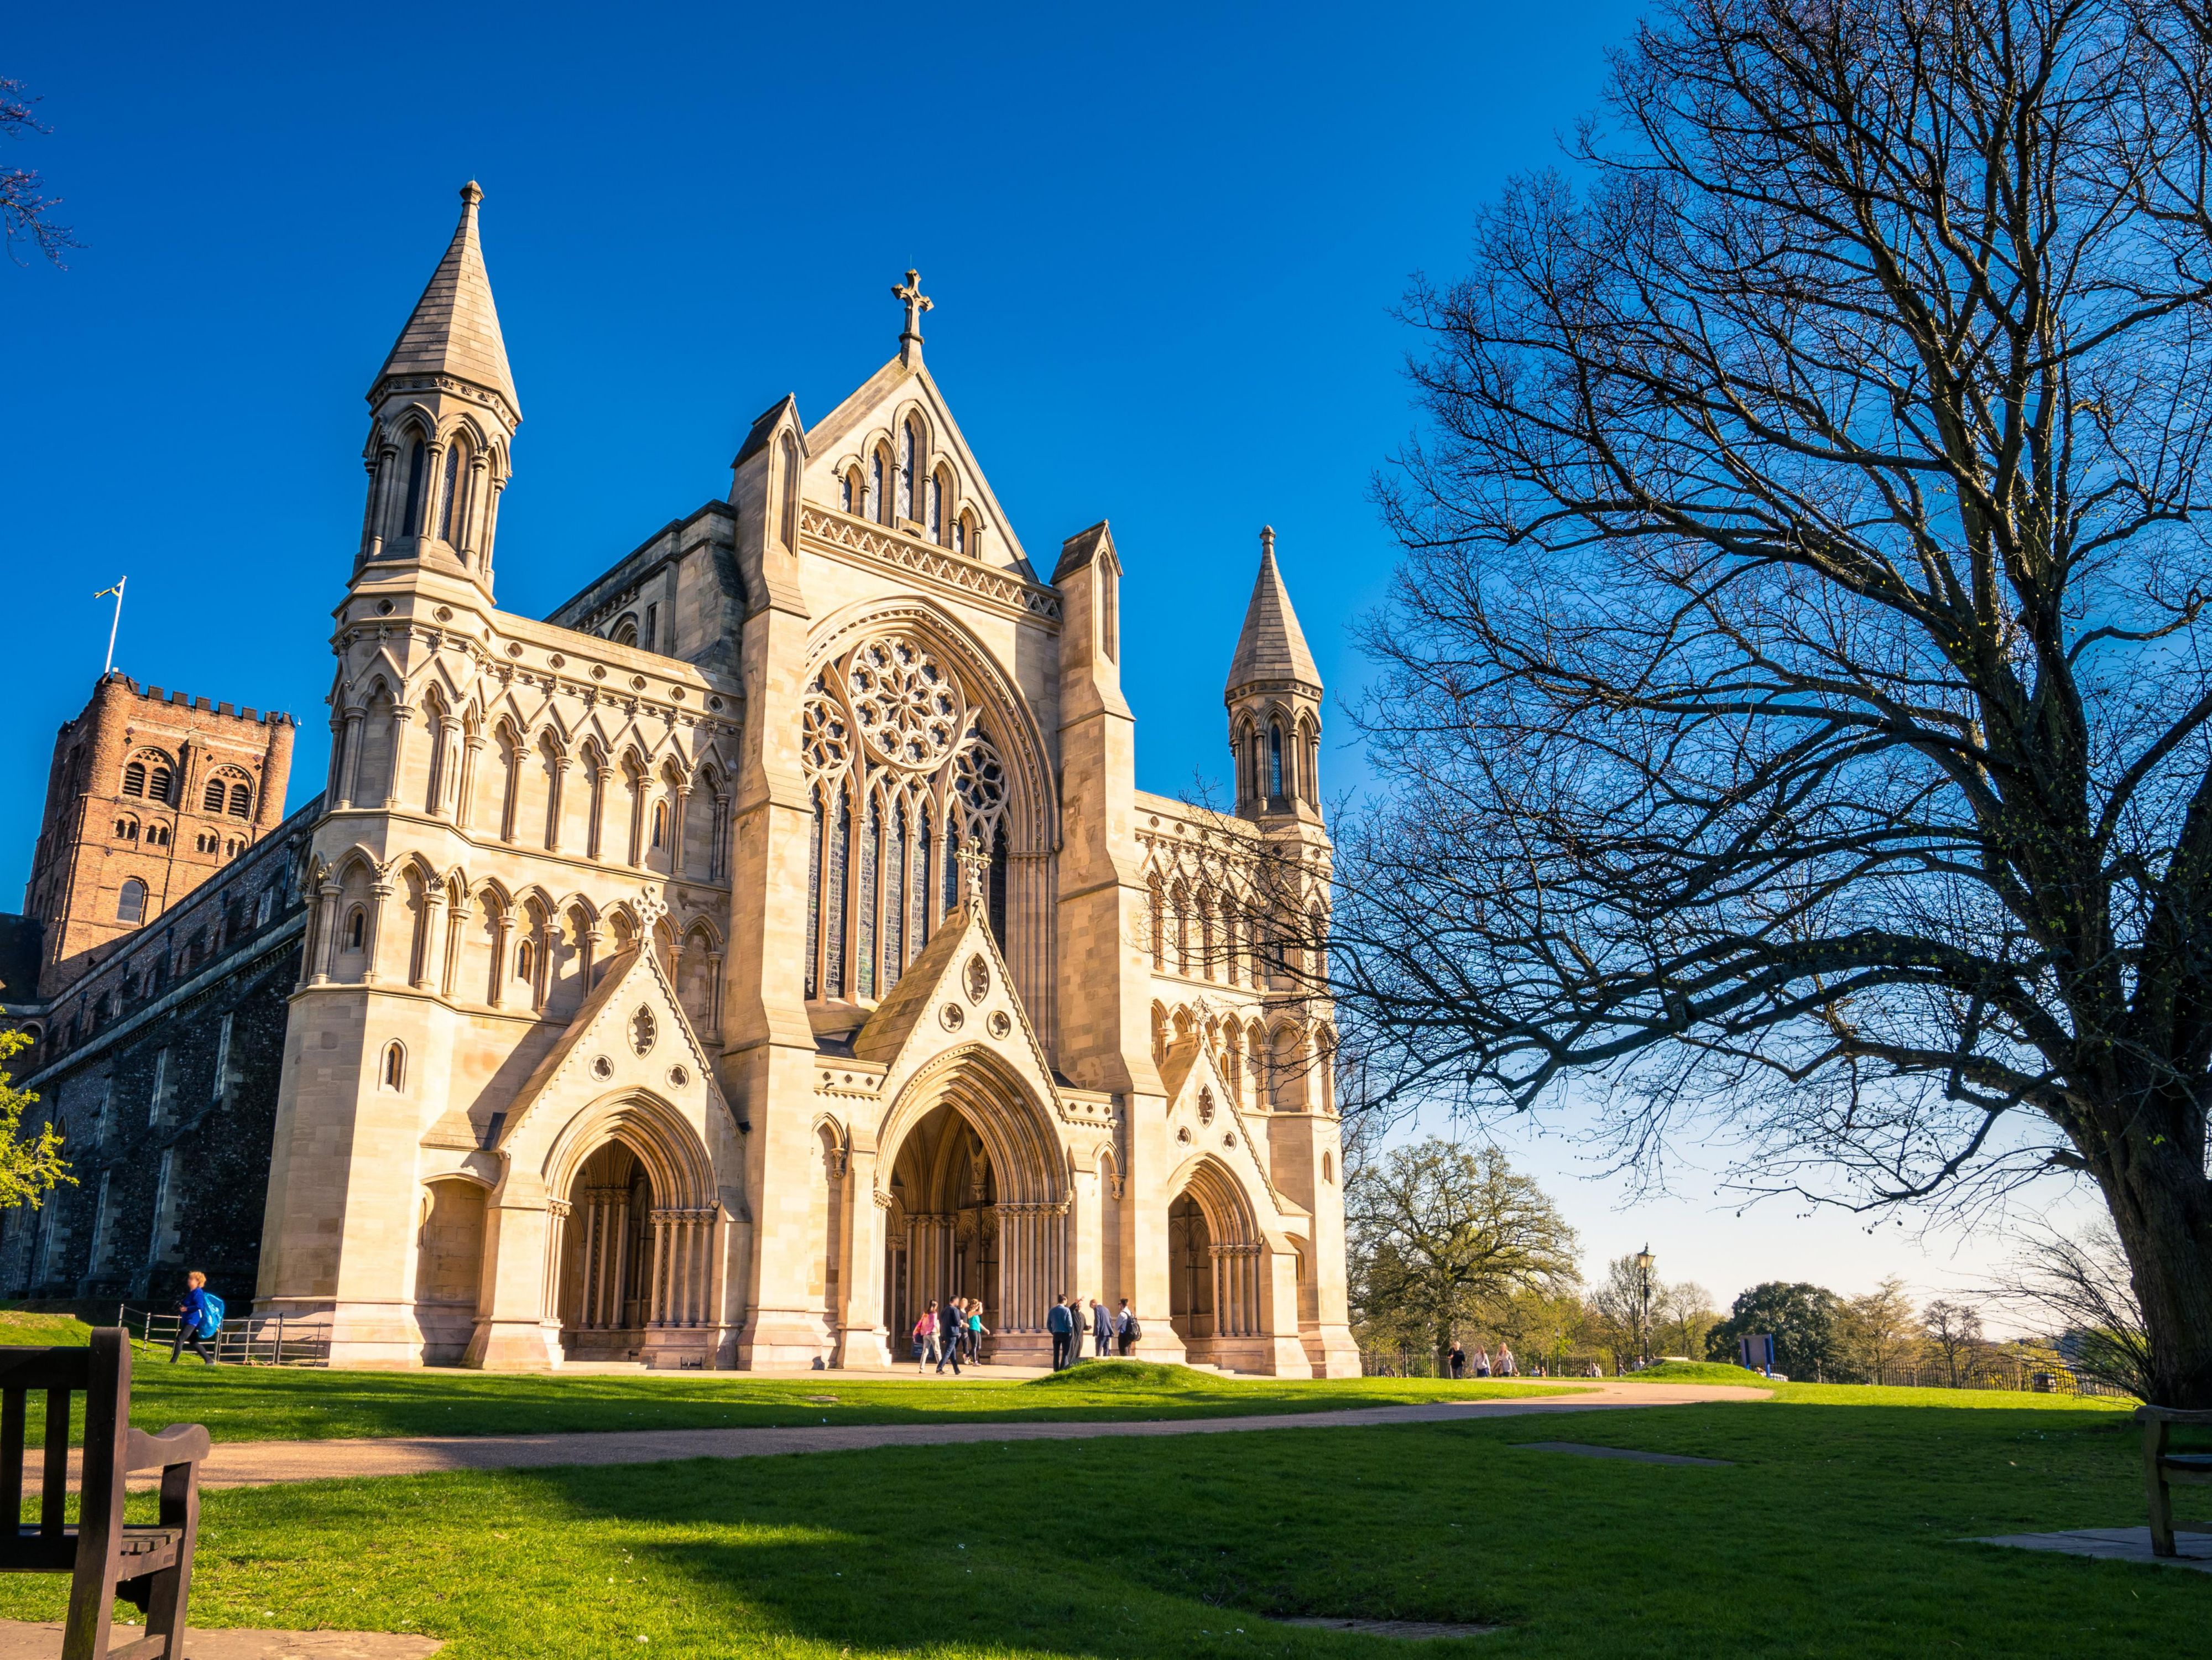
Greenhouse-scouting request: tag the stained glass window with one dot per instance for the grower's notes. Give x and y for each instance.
(871, 840)
(814, 900)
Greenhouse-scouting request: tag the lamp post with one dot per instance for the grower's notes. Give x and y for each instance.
(1644, 1260)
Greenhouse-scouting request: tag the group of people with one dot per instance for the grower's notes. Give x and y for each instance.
(1503, 1366)
(1112, 1330)
(949, 1332)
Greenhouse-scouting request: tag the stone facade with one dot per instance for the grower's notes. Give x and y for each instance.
(773, 939)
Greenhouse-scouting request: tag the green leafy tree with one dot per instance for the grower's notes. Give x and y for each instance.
(1877, 1334)
(1442, 1238)
(30, 1167)
(1801, 1318)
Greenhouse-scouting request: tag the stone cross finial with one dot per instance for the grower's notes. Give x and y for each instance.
(916, 303)
(651, 907)
(974, 877)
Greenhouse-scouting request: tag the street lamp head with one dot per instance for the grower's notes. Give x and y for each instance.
(1645, 1259)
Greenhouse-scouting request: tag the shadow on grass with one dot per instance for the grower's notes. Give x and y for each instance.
(1836, 1532)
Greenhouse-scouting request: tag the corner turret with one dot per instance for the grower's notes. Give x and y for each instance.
(1273, 698)
(445, 413)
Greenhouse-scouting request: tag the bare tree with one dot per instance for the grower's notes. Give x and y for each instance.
(1794, 698)
(1953, 1333)
(2078, 1289)
(1441, 1237)
(26, 210)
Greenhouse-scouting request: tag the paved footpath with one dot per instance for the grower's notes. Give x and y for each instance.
(257, 1463)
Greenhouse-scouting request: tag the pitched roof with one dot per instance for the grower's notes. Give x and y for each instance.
(1080, 548)
(1272, 647)
(454, 329)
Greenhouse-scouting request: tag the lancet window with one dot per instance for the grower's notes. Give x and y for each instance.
(901, 772)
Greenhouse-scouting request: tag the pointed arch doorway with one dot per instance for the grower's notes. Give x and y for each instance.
(635, 1251)
(974, 1199)
(1216, 1262)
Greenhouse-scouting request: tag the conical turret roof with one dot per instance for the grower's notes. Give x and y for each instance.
(1272, 647)
(455, 327)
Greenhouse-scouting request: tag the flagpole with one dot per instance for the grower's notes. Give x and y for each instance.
(115, 623)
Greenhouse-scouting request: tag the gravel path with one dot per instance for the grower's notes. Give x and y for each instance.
(257, 1463)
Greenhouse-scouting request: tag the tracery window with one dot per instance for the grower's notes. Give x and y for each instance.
(900, 771)
(412, 524)
(876, 485)
(909, 460)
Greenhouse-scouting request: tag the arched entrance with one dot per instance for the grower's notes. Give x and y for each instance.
(1215, 1261)
(605, 1302)
(635, 1239)
(943, 1237)
(974, 1200)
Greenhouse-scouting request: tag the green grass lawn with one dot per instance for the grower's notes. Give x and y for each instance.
(1836, 1532)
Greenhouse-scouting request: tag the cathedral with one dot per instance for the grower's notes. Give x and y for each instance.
(711, 974)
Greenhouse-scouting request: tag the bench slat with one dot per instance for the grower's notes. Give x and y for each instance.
(11, 1457)
(54, 1493)
(45, 1368)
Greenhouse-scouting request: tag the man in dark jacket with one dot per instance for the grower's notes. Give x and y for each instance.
(1060, 1321)
(951, 1328)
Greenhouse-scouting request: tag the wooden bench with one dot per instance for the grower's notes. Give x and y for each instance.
(105, 1557)
(2162, 1468)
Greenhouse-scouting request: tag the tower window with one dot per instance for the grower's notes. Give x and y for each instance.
(241, 801)
(660, 823)
(449, 494)
(394, 1073)
(211, 799)
(412, 524)
(651, 638)
(1275, 762)
(157, 784)
(131, 904)
(876, 485)
(909, 458)
(134, 778)
(356, 933)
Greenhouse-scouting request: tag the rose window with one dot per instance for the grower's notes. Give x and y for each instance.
(904, 702)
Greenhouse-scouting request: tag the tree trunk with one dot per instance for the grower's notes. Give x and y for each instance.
(2162, 1211)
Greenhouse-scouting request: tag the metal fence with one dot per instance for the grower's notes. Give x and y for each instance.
(2028, 1374)
(246, 1341)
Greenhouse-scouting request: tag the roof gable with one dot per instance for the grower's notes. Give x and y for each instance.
(844, 435)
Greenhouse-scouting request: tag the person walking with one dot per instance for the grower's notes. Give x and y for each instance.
(1458, 1360)
(199, 1316)
(1507, 1365)
(1101, 1329)
(977, 1331)
(925, 1337)
(1060, 1321)
(952, 1326)
(1126, 1331)
(1481, 1362)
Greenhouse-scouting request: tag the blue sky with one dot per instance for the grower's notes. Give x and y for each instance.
(1164, 244)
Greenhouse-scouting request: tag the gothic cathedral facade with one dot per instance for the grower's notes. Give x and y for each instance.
(773, 939)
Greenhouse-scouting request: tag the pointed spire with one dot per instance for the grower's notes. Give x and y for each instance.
(1272, 647)
(455, 328)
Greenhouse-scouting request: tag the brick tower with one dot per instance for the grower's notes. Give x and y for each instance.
(149, 794)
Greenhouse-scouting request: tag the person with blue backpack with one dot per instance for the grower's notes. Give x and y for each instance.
(199, 1316)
